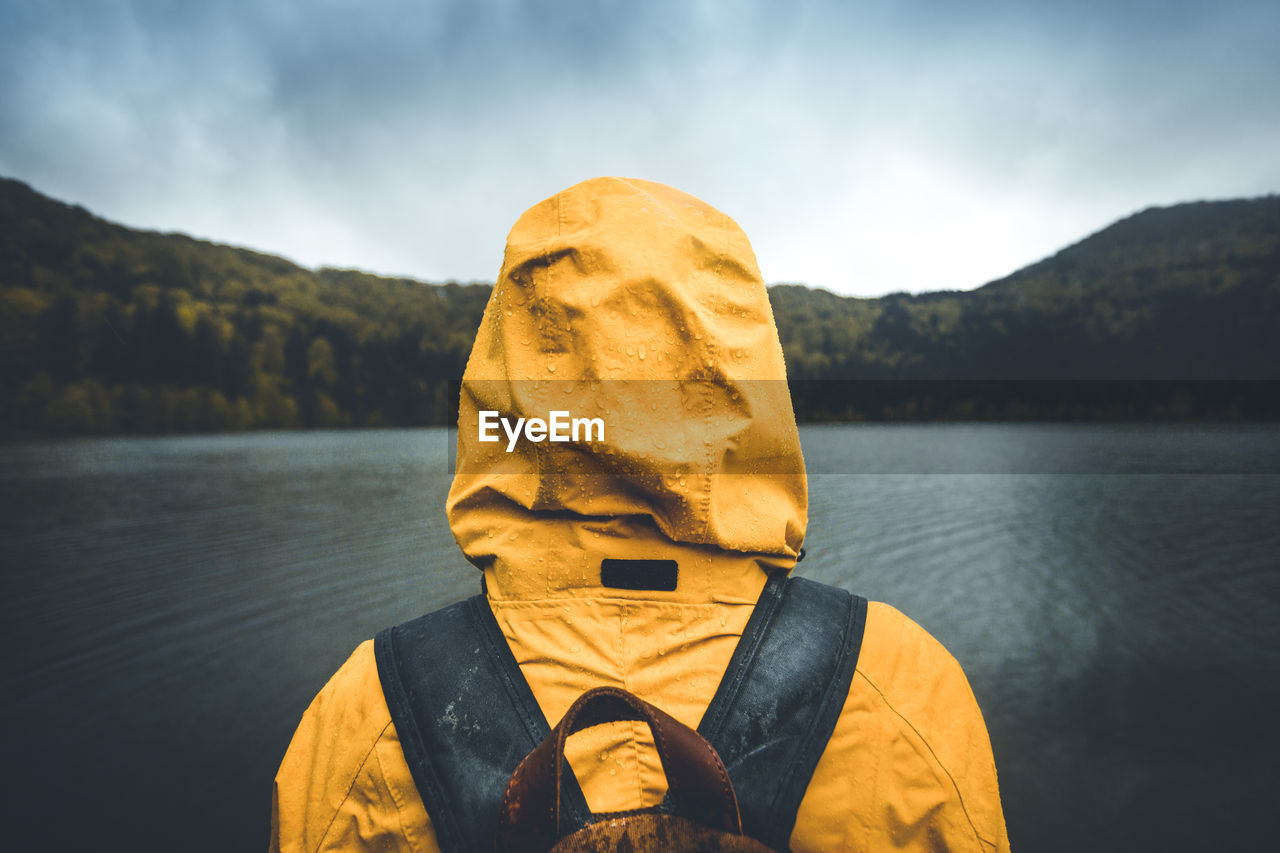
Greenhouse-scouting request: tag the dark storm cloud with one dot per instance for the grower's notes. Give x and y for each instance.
(406, 136)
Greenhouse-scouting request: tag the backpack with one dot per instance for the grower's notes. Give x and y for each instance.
(699, 813)
(467, 718)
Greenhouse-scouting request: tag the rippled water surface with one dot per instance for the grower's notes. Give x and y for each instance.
(171, 605)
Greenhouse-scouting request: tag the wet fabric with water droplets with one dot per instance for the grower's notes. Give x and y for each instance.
(637, 303)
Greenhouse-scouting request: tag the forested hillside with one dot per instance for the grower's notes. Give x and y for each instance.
(105, 329)
(1185, 292)
(1169, 313)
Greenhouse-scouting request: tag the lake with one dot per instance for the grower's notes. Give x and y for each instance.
(171, 605)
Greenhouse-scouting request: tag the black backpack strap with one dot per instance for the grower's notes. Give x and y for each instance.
(465, 716)
(781, 696)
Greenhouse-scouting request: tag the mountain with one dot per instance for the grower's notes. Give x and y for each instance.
(1169, 313)
(1184, 292)
(107, 329)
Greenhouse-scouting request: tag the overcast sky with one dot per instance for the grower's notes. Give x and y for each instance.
(864, 147)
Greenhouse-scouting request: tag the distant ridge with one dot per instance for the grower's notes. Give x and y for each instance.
(1190, 291)
(107, 329)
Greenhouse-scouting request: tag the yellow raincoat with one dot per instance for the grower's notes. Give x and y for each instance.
(636, 303)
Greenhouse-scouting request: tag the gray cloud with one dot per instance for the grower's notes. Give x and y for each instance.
(864, 147)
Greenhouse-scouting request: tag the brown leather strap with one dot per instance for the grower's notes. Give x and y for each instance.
(699, 787)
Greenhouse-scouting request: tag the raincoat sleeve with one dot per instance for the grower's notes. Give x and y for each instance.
(909, 765)
(343, 784)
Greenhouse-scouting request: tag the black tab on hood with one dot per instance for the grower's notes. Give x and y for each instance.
(639, 574)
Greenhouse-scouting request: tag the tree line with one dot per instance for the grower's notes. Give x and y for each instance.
(105, 329)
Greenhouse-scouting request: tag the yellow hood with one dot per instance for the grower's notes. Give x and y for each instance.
(639, 305)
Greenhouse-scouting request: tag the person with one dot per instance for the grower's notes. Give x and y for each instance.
(638, 305)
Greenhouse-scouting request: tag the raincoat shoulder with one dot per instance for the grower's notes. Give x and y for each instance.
(909, 765)
(343, 784)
